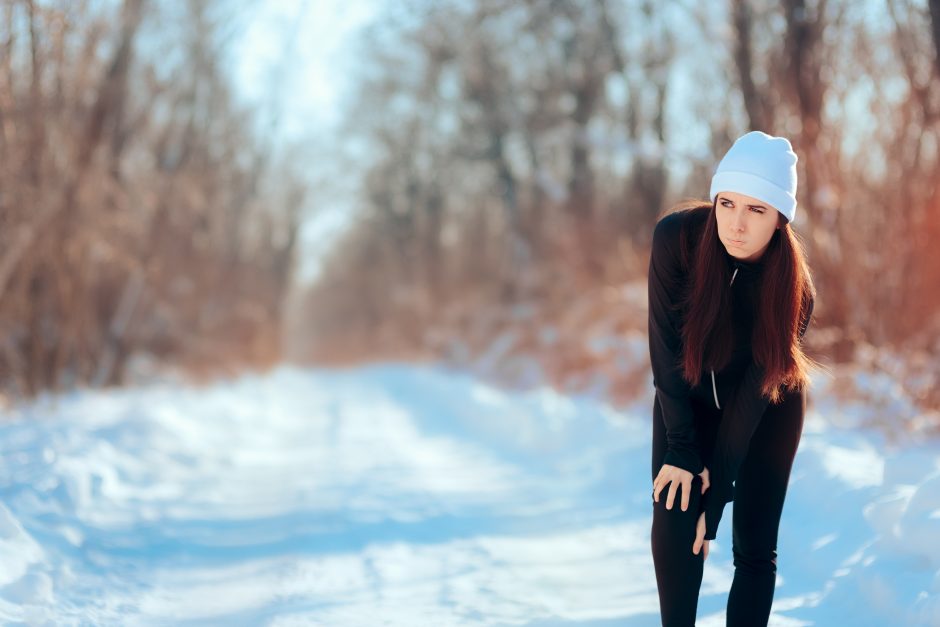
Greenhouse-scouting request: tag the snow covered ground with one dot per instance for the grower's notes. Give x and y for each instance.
(407, 495)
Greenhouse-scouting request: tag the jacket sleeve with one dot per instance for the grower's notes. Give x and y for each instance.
(733, 438)
(672, 391)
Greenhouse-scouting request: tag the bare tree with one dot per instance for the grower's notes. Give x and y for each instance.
(136, 204)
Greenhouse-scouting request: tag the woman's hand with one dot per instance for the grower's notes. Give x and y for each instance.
(673, 476)
(700, 540)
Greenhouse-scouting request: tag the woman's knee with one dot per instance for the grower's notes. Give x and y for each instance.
(674, 525)
(754, 560)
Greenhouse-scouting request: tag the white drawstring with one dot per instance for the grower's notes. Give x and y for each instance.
(714, 388)
(715, 391)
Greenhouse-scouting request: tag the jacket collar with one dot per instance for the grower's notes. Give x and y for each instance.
(744, 270)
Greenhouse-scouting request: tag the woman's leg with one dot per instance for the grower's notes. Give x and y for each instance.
(678, 570)
(759, 494)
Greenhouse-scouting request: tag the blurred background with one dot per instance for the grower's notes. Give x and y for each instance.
(334, 311)
(229, 184)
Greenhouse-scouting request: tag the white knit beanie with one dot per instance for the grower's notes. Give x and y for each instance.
(762, 166)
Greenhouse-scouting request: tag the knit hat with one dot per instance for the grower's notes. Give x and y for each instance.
(762, 166)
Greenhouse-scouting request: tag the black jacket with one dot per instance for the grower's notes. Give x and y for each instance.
(735, 388)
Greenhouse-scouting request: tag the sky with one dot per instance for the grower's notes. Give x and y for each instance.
(319, 33)
(319, 36)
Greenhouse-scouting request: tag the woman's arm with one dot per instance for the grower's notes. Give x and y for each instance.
(672, 391)
(734, 436)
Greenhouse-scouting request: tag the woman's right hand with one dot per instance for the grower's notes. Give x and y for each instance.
(673, 476)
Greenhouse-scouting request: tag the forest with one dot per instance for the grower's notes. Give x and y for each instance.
(514, 157)
(509, 160)
(145, 215)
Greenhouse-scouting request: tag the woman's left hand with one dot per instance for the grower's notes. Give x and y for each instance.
(700, 540)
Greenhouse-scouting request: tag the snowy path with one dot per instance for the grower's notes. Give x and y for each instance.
(406, 496)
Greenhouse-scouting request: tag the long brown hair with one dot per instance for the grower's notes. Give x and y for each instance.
(782, 303)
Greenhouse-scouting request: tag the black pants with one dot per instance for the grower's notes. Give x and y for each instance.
(759, 492)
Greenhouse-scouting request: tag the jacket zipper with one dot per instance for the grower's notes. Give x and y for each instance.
(714, 387)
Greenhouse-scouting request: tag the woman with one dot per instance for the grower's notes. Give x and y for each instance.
(730, 297)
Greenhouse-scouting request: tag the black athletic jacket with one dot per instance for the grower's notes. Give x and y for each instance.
(735, 389)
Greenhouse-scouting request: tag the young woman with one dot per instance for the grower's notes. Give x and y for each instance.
(730, 298)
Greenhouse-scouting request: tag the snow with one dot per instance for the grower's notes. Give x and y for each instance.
(399, 494)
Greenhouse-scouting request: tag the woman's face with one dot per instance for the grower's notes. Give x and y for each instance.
(745, 224)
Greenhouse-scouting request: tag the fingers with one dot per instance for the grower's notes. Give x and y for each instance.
(706, 481)
(674, 479)
(706, 549)
(671, 499)
(699, 535)
(660, 483)
(662, 480)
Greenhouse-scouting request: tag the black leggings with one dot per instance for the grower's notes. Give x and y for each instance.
(759, 493)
